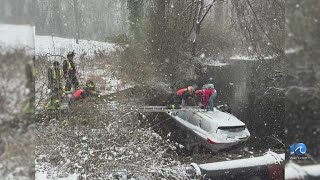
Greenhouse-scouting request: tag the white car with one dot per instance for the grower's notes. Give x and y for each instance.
(214, 130)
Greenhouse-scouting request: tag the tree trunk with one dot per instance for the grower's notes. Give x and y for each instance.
(197, 28)
(161, 26)
(200, 16)
(123, 17)
(135, 16)
(195, 41)
(76, 14)
(57, 26)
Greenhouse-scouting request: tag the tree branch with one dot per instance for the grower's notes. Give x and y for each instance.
(205, 14)
(187, 7)
(275, 47)
(194, 18)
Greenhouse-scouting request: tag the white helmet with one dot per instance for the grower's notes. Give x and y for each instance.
(208, 86)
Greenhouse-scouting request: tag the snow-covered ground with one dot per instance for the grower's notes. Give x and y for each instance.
(45, 171)
(56, 48)
(295, 171)
(14, 37)
(215, 63)
(250, 58)
(61, 46)
(293, 50)
(105, 78)
(100, 72)
(119, 147)
(210, 61)
(23, 37)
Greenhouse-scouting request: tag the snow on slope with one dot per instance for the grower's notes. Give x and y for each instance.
(215, 63)
(45, 171)
(100, 73)
(61, 46)
(211, 61)
(293, 50)
(23, 37)
(250, 58)
(16, 37)
(106, 80)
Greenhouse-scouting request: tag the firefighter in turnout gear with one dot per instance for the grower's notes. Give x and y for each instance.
(55, 75)
(69, 72)
(31, 74)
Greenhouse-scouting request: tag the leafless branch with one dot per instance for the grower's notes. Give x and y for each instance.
(189, 5)
(205, 14)
(274, 46)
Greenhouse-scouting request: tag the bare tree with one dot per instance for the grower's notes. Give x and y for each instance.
(77, 17)
(201, 12)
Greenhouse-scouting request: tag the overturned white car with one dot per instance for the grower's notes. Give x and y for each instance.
(214, 130)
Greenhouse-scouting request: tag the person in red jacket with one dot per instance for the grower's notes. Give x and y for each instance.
(208, 96)
(82, 93)
(186, 95)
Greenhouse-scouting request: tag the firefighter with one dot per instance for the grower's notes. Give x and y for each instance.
(186, 95)
(55, 75)
(31, 74)
(208, 96)
(69, 72)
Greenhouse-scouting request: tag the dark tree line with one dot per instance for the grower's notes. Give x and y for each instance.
(183, 30)
(182, 25)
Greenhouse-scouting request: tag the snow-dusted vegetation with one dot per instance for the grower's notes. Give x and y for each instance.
(16, 128)
(97, 144)
(50, 45)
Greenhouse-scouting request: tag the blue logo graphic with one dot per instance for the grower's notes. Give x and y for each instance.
(298, 149)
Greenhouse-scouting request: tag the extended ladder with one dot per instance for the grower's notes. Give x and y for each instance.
(170, 108)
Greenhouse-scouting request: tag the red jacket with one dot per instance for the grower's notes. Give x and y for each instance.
(77, 93)
(205, 95)
(184, 94)
(181, 91)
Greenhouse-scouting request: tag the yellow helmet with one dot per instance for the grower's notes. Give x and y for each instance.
(190, 89)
